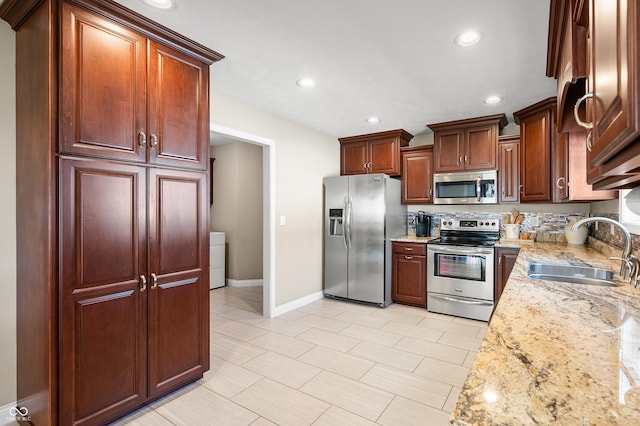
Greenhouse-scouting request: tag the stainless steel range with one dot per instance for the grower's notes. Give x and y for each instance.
(460, 265)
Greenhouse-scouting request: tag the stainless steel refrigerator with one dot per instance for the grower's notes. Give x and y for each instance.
(362, 213)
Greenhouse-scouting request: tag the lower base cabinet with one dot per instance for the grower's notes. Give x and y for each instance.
(505, 260)
(409, 274)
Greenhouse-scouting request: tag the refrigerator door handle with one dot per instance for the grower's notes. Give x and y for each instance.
(345, 229)
(349, 218)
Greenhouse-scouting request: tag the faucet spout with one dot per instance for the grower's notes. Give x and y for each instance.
(627, 248)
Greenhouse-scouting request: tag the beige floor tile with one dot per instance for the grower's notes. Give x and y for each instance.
(323, 323)
(329, 339)
(413, 331)
(288, 328)
(336, 361)
(233, 350)
(335, 416)
(291, 315)
(469, 321)
(351, 395)
(282, 369)
(143, 417)
(358, 308)
(367, 320)
(482, 332)
(281, 404)
(405, 412)
(468, 361)
(263, 422)
(450, 326)
(239, 331)
(399, 316)
(452, 399)
(321, 309)
(282, 344)
(228, 379)
(371, 335)
(243, 316)
(432, 350)
(421, 389)
(202, 406)
(443, 371)
(460, 341)
(388, 356)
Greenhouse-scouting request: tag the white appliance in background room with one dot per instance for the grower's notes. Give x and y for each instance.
(362, 212)
(216, 260)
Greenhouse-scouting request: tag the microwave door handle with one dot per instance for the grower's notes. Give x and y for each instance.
(456, 300)
(478, 187)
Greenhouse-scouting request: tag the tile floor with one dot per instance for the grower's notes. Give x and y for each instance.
(327, 363)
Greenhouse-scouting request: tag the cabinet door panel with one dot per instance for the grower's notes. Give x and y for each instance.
(535, 165)
(103, 310)
(448, 151)
(354, 157)
(509, 172)
(480, 152)
(384, 156)
(417, 177)
(178, 109)
(409, 284)
(103, 92)
(178, 294)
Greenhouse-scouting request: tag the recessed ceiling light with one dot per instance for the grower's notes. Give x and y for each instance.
(373, 120)
(493, 99)
(468, 38)
(307, 83)
(160, 4)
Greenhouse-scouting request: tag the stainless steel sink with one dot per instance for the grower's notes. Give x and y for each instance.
(570, 273)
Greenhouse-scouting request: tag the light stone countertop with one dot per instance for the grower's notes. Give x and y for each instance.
(412, 239)
(557, 353)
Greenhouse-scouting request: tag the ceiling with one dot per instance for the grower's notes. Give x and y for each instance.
(391, 59)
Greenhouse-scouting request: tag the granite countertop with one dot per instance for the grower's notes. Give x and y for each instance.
(412, 239)
(560, 353)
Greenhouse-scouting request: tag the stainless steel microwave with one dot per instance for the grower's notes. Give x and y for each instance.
(466, 187)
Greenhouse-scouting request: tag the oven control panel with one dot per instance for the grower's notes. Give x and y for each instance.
(456, 224)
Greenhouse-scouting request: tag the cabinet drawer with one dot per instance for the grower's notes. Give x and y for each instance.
(417, 249)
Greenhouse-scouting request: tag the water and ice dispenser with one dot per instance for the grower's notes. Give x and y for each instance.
(335, 222)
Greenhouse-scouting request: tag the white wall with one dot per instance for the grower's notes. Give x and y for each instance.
(303, 158)
(7, 215)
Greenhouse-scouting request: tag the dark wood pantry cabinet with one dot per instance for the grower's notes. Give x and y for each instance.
(409, 274)
(112, 209)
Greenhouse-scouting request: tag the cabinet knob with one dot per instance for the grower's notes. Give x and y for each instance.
(142, 139)
(154, 140)
(143, 283)
(576, 107)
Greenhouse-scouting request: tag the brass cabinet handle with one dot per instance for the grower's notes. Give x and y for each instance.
(154, 279)
(142, 138)
(561, 178)
(409, 257)
(466, 159)
(143, 282)
(577, 116)
(408, 249)
(460, 160)
(522, 189)
(589, 144)
(154, 140)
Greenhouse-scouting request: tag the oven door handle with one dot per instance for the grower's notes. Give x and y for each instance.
(456, 300)
(459, 250)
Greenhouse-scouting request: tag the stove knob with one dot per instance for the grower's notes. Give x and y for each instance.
(493, 224)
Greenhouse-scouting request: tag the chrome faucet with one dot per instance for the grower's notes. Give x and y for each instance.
(629, 262)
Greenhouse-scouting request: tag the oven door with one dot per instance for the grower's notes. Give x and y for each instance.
(460, 271)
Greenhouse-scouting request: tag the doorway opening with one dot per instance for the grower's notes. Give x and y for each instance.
(268, 208)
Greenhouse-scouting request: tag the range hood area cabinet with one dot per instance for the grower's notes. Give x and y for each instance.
(373, 153)
(470, 144)
(593, 51)
(112, 126)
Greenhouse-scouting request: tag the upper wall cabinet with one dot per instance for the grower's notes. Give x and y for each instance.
(126, 97)
(603, 36)
(470, 144)
(373, 153)
(509, 168)
(417, 174)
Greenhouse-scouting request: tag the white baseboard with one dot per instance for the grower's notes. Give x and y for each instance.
(5, 417)
(244, 283)
(298, 303)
